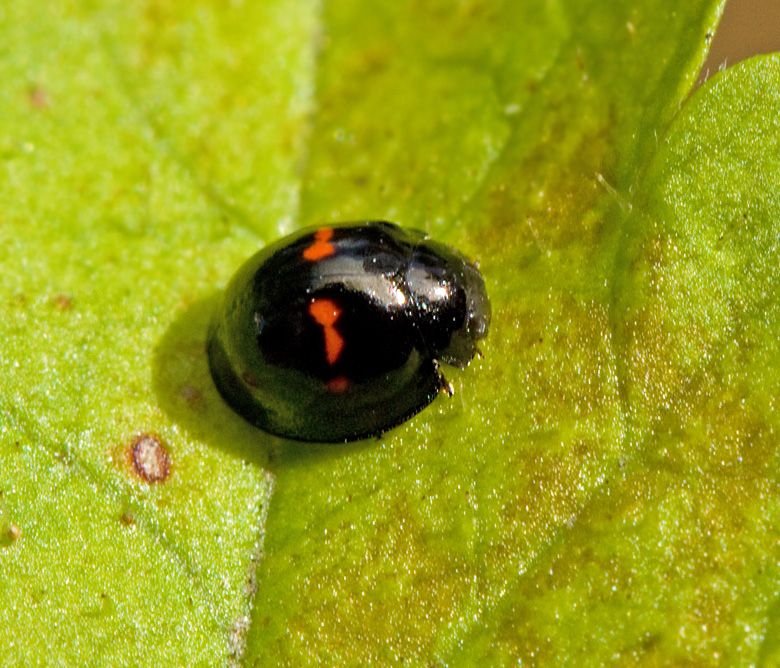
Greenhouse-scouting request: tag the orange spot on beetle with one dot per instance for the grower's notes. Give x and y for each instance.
(321, 247)
(333, 344)
(325, 312)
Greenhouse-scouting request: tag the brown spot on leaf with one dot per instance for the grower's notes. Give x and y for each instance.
(9, 534)
(250, 379)
(149, 458)
(580, 60)
(191, 394)
(127, 519)
(62, 302)
(37, 97)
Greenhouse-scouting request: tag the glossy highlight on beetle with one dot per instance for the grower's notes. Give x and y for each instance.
(336, 333)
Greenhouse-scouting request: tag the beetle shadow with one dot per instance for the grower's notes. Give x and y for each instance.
(185, 391)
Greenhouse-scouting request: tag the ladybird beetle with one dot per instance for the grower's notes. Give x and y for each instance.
(336, 333)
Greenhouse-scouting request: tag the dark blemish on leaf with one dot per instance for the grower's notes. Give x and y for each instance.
(105, 608)
(127, 519)
(38, 97)
(10, 534)
(149, 458)
(37, 596)
(580, 60)
(250, 586)
(191, 394)
(708, 36)
(62, 302)
(250, 379)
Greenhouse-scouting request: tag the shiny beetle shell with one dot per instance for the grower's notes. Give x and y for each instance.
(336, 333)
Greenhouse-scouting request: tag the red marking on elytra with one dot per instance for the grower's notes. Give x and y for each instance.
(338, 384)
(321, 247)
(325, 312)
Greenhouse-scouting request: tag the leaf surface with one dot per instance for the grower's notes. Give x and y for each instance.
(128, 539)
(603, 486)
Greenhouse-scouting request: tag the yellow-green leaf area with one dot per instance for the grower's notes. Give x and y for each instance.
(525, 520)
(127, 539)
(602, 487)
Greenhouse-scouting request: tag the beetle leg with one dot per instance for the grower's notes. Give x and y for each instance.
(444, 384)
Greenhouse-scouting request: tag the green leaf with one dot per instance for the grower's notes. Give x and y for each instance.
(128, 193)
(521, 522)
(603, 486)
